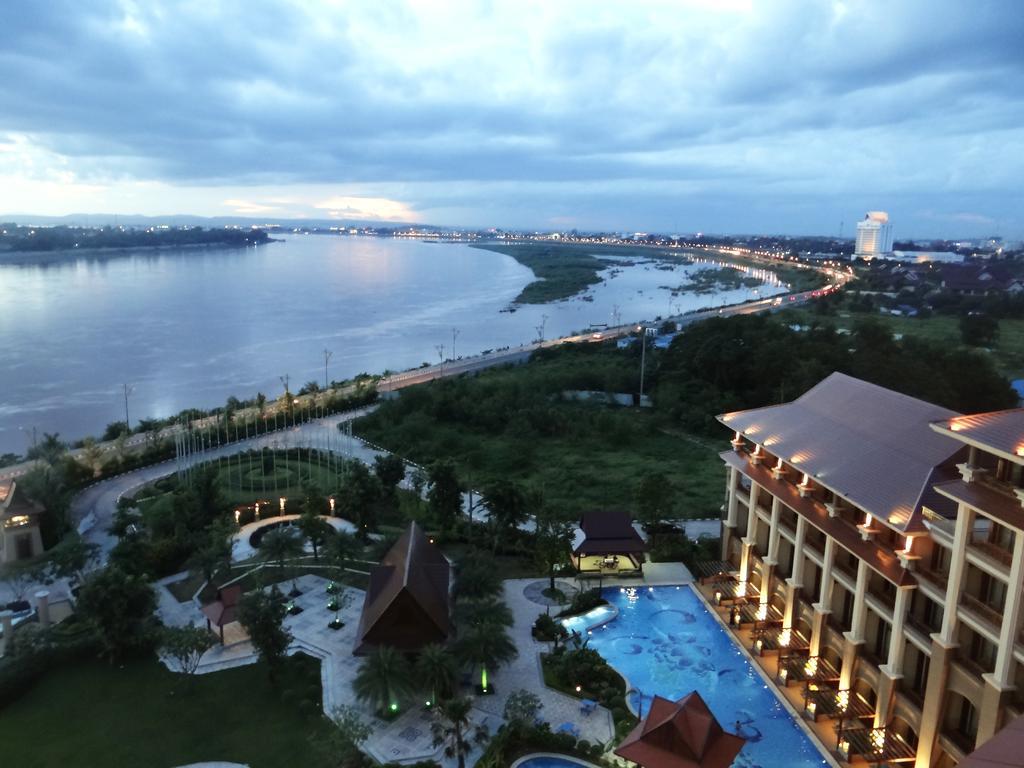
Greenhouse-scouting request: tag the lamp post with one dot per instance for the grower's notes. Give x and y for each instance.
(455, 335)
(440, 356)
(127, 391)
(327, 359)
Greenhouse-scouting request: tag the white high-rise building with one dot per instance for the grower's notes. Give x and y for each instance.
(874, 236)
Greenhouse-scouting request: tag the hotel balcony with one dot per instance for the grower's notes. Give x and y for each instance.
(982, 612)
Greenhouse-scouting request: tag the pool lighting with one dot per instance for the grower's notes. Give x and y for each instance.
(650, 589)
(622, 590)
(393, 707)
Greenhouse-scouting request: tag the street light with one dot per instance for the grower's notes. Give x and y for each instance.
(455, 335)
(127, 391)
(327, 359)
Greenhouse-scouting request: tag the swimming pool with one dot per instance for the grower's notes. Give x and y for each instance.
(665, 642)
(550, 761)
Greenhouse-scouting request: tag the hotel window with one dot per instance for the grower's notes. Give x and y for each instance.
(883, 634)
(981, 652)
(918, 679)
(846, 616)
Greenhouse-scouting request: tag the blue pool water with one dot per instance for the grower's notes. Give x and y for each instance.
(665, 642)
(550, 762)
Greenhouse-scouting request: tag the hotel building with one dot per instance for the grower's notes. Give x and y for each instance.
(874, 236)
(873, 555)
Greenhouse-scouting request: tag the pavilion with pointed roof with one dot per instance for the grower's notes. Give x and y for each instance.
(680, 734)
(20, 518)
(408, 603)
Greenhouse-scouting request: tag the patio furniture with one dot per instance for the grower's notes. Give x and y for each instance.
(571, 728)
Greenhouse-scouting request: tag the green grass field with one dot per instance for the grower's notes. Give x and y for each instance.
(1007, 355)
(141, 715)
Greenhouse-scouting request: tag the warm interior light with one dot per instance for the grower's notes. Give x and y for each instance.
(868, 520)
(909, 547)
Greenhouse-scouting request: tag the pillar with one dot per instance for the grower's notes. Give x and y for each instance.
(795, 582)
(43, 608)
(854, 639)
(731, 513)
(824, 605)
(751, 538)
(957, 567)
(934, 700)
(7, 624)
(773, 532)
(999, 683)
(892, 670)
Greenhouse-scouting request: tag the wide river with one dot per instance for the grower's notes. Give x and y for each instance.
(190, 328)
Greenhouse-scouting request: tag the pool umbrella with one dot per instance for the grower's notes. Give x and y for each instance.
(680, 734)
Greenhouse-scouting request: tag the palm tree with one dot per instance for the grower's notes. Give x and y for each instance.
(435, 672)
(315, 529)
(280, 545)
(456, 731)
(383, 680)
(486, 645)
(342, 548)
(470, 613)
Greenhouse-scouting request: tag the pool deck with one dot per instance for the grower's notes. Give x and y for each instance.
(822, 733)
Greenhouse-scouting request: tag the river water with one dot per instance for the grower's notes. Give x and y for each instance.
(190, 328)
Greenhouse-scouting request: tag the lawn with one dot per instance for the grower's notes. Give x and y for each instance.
(1007, 355)
(139, 714)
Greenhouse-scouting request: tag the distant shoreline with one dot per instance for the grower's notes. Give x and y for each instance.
(22, 258)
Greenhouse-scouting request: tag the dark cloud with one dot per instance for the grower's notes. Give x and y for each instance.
(691, 116)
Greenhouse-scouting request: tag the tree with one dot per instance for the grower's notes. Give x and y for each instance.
(979, 330)
(521, 709)
(72, 557)
(186, 645)
(483, 612)
(384, 680)
(486, 645)
(435, 673)
(390, 470)
(476, 577)
(50, 449)
(120, 607)
(261, 403)
(445, 495)
(341, 745)
(20, 575)
(91, 456)
(280, 545)
(508, 509)
(552, 543)
(342, 548)
(654, 498)
(315, 529)
(455, 730)
(262, 614)
(357, 500)
(215, 552)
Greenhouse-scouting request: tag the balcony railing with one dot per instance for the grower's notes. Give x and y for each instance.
(993, 551)
(937, 578)
(989, 614)
(921, 626)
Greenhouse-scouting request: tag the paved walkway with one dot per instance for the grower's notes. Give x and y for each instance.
(242, 549)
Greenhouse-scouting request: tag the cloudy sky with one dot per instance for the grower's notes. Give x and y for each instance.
(692, 115)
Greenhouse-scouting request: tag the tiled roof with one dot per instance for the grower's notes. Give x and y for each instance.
(870, 445)
(1003, 750)
(1001, 431)
(608, 532)
(407, 601)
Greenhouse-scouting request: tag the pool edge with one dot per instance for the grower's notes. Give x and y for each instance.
(768, 681)
(534, 755)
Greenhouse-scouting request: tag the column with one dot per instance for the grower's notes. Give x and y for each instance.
(7, 624)
(892, 670)
(731, 512)
(957, 566)
(795, 582)
(43, 607)
(824, 605)
(751, 538)
(999, 683)
(853, 639)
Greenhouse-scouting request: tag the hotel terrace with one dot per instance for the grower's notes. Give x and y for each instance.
(873, 549)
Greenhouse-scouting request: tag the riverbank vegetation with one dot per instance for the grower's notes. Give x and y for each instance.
(19, 239)
(512, 424)
(561, 271)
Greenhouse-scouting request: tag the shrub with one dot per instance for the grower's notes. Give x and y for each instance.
(584, 601)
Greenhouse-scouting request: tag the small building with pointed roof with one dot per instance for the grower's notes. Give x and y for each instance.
(680, 734)
(607, 542)
(408, 603)
(20, 536)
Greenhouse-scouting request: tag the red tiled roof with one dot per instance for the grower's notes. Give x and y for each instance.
(1004, 750)
(998, 431)
(681, 734)
(407, 601)
(870, 445)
